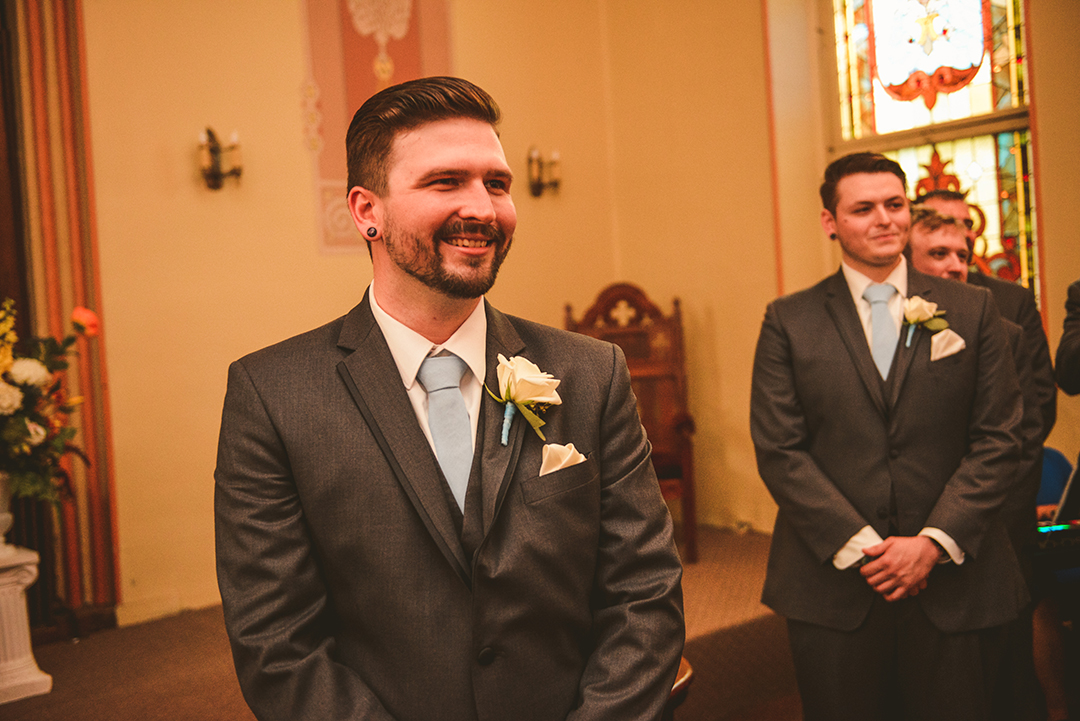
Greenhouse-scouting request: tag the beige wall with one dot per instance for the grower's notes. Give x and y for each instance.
(1055, 65)
(194, 278)
(660, 113)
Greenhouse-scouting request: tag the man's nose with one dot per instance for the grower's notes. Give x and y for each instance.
(476, 203)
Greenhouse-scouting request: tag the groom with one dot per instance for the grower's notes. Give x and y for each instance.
(385, 549)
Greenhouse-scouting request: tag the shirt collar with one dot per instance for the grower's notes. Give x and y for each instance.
(409, 348)
(857, 282)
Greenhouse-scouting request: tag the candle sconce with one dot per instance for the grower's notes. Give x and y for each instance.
(213, 157)
(543, 174)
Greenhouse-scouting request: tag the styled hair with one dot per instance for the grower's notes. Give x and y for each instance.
(939, 194)
(399, 108)
(852, 164)
(930, 220)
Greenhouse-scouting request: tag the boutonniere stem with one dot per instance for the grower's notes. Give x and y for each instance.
(526, 390)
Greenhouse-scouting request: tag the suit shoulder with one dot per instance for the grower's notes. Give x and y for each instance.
(807, 298)
(301, 346)
(545, 336)
(1010, 297)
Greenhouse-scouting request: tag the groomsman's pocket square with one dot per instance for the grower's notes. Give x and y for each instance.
(945, 343)
(556, 457)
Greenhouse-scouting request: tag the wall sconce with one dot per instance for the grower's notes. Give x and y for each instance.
(543, 174)
(212, 158)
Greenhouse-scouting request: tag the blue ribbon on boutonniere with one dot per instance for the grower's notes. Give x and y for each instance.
(920, 312)
(526, 390)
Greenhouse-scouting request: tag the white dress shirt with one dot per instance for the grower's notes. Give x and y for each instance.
(852, 552)
(409, 349)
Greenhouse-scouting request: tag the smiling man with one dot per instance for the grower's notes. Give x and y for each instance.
(889, 449)
(391, 545)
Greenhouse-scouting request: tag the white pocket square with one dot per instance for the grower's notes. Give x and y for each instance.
(556, 457)
(945, 343)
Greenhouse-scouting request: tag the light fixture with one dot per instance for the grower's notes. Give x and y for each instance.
(213, 156)
(543, 174)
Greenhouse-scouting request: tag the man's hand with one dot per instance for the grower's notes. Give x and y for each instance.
(900, 566)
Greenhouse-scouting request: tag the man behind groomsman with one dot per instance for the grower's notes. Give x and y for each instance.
(938, 246)
(1015, 302)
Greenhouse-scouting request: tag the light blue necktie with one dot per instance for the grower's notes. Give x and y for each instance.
(448, 420)
(882, 327)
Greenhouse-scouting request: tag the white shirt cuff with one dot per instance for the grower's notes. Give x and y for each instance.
(852, 552)
(955, 554)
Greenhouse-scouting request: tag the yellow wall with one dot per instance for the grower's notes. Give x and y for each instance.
(1055, 64)
(660, 113)
(193, 279)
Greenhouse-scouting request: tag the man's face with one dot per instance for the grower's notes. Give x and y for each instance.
(942, 252)
(955, 209)
(871, 220)
(449, 219)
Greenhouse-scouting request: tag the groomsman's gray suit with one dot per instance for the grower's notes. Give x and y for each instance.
(839, 449)
(354, 589)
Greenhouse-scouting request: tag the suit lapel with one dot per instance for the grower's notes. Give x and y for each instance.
(498, 460)
(375, 385)
(842, 309)
(917, 286)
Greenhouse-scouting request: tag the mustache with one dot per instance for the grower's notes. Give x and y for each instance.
(490, 233)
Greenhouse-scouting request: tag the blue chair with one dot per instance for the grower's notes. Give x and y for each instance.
(1055, 474)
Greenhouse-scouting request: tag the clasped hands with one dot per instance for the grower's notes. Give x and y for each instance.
(900, 565)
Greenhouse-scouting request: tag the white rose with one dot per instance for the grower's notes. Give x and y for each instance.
(523, 382)
(37, 433)
(10, 399)
(917, 310)
(30, 372)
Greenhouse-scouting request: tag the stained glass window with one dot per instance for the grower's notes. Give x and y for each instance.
(907, 64)
(907, 71)
(995, 173)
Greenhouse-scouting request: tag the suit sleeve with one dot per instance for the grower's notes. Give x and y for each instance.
(975, 492)
(1068, 352)
(637, 606)
(823, 517)
(272, 591)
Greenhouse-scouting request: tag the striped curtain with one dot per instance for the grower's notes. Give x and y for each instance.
(54, 155)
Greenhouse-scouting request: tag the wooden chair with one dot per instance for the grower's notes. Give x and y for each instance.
(679, 689)
(653, 345)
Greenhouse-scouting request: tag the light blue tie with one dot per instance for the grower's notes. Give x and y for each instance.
(448, 420)
(882, 327)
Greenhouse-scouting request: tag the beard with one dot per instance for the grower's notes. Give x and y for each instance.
(422, 258)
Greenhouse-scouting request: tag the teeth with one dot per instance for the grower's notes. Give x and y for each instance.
(466, 243)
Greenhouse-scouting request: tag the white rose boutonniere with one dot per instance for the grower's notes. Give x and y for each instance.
(525, 389)
(918, 311)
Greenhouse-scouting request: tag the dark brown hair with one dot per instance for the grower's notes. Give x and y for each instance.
(403, 107)
(852, 164)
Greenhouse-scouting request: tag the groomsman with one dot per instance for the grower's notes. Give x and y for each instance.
(888, 442)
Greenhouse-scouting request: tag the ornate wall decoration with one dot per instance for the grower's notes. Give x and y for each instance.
(355, 49)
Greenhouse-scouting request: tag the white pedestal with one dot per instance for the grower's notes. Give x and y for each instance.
(19, 673)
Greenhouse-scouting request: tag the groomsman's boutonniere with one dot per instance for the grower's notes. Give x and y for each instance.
(526, 389)
(921, 312)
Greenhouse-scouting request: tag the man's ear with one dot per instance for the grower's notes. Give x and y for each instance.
(365, 208)
(828, 223)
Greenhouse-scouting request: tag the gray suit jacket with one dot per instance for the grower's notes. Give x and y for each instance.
(840, 449)
(1068, 352)
(347, 591)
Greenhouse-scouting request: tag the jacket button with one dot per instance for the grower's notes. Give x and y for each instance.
(894, 453)
(487, 656)
(883, 513)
